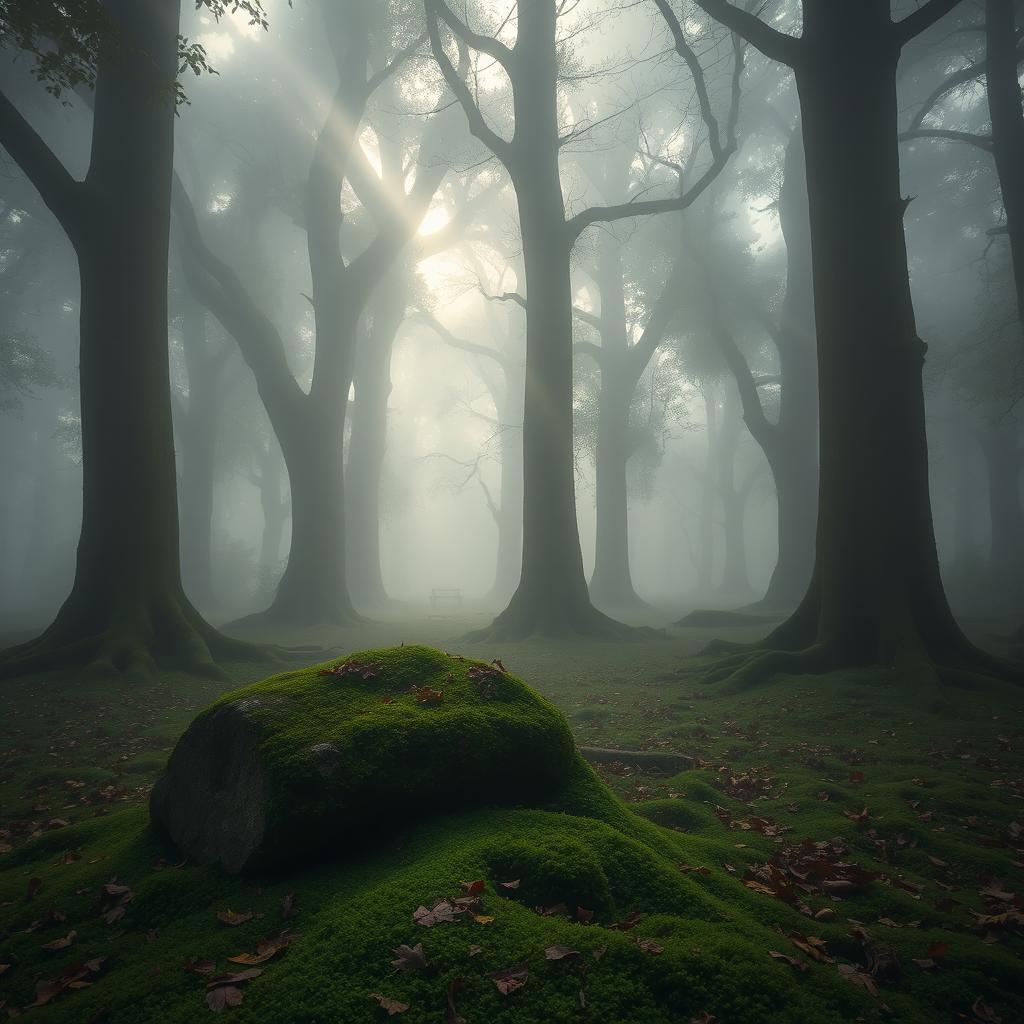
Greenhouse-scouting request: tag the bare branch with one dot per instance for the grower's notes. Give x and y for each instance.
(515, 297)
(62, 194)
(478, 127)
(377, 80)
(431, 321)
(588, 348)
(924, 17)
(218, 287)
(983, 142)
(772, 43)
(476, 40)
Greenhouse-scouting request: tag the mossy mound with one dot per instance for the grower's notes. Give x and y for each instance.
(316, 761)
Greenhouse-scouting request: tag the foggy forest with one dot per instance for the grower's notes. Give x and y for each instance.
(512, 511)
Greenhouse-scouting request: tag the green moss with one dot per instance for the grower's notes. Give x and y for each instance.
(716, 934)
(346, 751)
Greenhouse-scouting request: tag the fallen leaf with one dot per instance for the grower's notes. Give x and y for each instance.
(61, 943)
(483, 918)
(857, 977)
(785, 958)
(266, 950)
(392, 1006)
(451, 1015)
(599, 952)
(474, 950)
(233, 919)
(584, 916)
(856, 777)
(197, 966)
(559, 952)
(984, 1012)
(514, 884)
(223, 996)
(510, 980)
(650, 946)
(410, 958)
(472, 888)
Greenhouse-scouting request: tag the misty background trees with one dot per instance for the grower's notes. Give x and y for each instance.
(593, 314)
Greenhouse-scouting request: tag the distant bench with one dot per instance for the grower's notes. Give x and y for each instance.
(441, 594)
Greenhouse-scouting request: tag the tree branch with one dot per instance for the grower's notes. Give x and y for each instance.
(478, 127)
(218, 287)
(664, 308)
(772, 43)
(575, 226)
(477, 41)
(983, 142)
(924, 17)
(431, 321)
(377, 80)
(588, 348)
(515, 297)
(61, 193)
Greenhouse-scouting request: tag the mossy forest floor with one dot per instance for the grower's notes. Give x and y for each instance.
(842, 850)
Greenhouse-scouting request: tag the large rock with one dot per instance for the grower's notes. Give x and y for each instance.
(313, 762)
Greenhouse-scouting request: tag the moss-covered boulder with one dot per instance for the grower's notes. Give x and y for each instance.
(309, 763)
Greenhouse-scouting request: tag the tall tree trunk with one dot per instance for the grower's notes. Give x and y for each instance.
(735, 577)
(552, 596)
(794, 459)
(197, 431)
(127, 608)
(611, 585)
(368, 441)
(1004, 104)
(876, 596)
(706, 512)
(1006, 516)
(275, 512)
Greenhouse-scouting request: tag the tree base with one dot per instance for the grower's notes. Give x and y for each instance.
(742, 666)
(525, 619)
(164, 634)
(714, 617)
(285, 616)
(627, 600)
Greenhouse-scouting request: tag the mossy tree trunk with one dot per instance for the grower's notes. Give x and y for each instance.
(127, 611)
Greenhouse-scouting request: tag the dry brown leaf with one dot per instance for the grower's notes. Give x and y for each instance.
(559, 952)
(392, 1006)
(409, 958)
(510, 980)
(786, 958)
(232, 918)
(61, 943)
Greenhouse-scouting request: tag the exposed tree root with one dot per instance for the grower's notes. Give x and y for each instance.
(278, 616)
(960, 665)
(136, 643)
